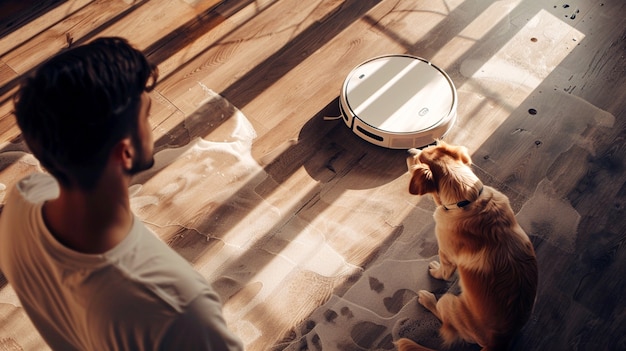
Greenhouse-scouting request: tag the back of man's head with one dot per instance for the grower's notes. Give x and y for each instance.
(79, 104)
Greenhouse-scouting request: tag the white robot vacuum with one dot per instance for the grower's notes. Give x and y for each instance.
(398, 101)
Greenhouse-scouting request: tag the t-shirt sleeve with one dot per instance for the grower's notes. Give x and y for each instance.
(201, 327)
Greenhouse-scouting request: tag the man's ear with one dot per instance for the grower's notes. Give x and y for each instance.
(124, 152)
(422, 180)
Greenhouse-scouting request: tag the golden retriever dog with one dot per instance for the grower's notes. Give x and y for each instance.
(480, 239)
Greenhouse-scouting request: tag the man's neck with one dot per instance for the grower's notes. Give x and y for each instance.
(90, 222)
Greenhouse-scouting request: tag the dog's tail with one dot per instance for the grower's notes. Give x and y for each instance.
(405, 344)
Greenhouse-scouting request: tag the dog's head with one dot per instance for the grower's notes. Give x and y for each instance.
(443, 171)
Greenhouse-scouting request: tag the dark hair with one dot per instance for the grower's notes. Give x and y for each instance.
(79, 104)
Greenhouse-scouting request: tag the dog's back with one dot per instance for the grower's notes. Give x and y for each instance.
(479, 237)
(496, 264)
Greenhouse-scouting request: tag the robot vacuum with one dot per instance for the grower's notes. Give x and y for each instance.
(398, 101)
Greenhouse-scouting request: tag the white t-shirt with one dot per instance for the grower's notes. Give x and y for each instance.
(140, 295)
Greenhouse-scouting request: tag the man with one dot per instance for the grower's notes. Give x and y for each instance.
(89, 274)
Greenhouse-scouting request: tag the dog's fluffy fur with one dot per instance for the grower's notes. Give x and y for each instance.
(479, 237)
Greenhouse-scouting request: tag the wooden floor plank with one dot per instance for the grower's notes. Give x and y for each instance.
(154, 20)
(35, 26)
(62, 34)
(16, 14)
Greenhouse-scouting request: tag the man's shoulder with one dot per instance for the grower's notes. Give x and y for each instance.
(17, 221)
(36, 187)
(146, 270)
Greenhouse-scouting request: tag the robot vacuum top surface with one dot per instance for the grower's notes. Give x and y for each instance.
(399, 94)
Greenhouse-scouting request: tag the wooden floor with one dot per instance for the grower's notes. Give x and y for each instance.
(308, 232)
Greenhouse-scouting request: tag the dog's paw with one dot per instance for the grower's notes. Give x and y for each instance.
(427, 299)
(434, 268)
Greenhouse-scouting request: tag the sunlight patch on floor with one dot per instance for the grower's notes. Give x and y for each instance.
(508, 76)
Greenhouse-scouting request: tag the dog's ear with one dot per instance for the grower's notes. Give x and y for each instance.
(422, 180)
(464, 155)
(460, 153)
